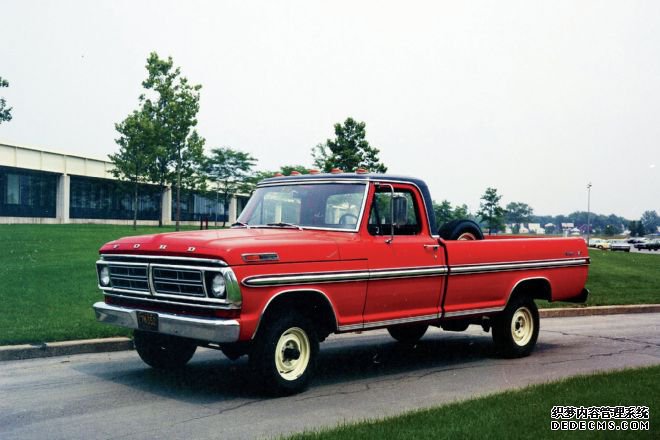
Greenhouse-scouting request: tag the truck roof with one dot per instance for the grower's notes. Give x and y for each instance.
(364, 177)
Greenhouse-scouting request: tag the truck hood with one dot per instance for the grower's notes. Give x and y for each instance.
(291, 245)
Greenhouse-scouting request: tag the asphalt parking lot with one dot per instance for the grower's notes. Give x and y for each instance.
(114, 395)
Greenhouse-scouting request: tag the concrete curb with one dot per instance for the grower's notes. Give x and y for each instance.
(30, 351)
(599, 310)
(67, 348)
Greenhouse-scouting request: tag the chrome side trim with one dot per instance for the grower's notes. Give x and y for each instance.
(156, 257)
(374, 324)
(340, 277)
(409, 272)
(306, 278)
(203, 329)
(400, 321)
(382, 274)
(473, 312)
(349, 328)
(517, 265)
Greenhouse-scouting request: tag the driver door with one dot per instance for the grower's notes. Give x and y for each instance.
(405, 262)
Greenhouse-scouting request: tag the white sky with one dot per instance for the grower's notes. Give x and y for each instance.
(534, 98)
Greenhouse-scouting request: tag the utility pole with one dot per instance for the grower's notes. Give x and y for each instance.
(588, 212)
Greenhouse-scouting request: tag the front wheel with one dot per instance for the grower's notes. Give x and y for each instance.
(163, 351)
(516, 329)
(284, 354)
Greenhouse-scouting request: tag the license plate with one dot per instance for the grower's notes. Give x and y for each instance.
(147, 321)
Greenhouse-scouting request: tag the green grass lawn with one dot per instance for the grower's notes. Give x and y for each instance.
(623, 278)
(48, 281)
(517, 414)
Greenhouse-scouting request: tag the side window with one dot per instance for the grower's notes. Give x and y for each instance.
(406, 213)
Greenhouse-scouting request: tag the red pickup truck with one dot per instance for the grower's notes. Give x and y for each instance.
(316, 254)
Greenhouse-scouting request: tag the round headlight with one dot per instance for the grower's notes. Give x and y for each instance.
(218, 286)
(104, 276)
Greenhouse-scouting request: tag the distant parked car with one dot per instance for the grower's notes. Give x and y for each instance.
(619, 245)
(652, 245)
(599, 243)
(636, 240)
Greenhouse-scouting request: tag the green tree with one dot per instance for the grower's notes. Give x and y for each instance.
(5, 112)
(230, 170)
(462, 211)
(490, 210)
(348, 151)
(443, 212)
(136, 153)
(651, 221)
(609, 230)
(287, 169)
(518, 212)
(172, 103)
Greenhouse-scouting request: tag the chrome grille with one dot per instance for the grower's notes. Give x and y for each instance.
(161, 277)
(174, 281)
(129, 277)
(167, 280)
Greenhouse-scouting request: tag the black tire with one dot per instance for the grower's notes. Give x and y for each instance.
(516, 329)
(163, 352)
(408, 334)
(284, 353)
(461, 230)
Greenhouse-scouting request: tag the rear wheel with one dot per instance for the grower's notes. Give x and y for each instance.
(407, 334)
(163, 351)
(516, 329)
(284, 354)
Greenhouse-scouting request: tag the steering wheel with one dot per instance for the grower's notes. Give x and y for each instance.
(343, 219)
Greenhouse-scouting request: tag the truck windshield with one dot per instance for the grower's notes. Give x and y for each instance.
(320, 206)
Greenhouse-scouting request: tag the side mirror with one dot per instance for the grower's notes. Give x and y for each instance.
(400, 210)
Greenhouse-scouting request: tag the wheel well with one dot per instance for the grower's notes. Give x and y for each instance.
(311, 303)
(535, 288)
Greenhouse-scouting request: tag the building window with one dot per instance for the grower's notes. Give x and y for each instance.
(26, 193)
(13, 189)
(95, 198)
(241, 201)
(197, 205)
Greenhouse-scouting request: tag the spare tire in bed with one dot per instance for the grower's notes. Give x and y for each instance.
(461, 229)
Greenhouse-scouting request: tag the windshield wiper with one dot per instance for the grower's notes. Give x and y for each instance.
(285, 225)
(245, 225)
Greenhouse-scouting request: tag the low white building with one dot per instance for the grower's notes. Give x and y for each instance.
(41, 186)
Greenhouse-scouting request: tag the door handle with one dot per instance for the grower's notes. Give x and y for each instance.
(432, 246)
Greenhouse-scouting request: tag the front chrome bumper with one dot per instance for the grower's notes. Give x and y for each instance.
(203, 329)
